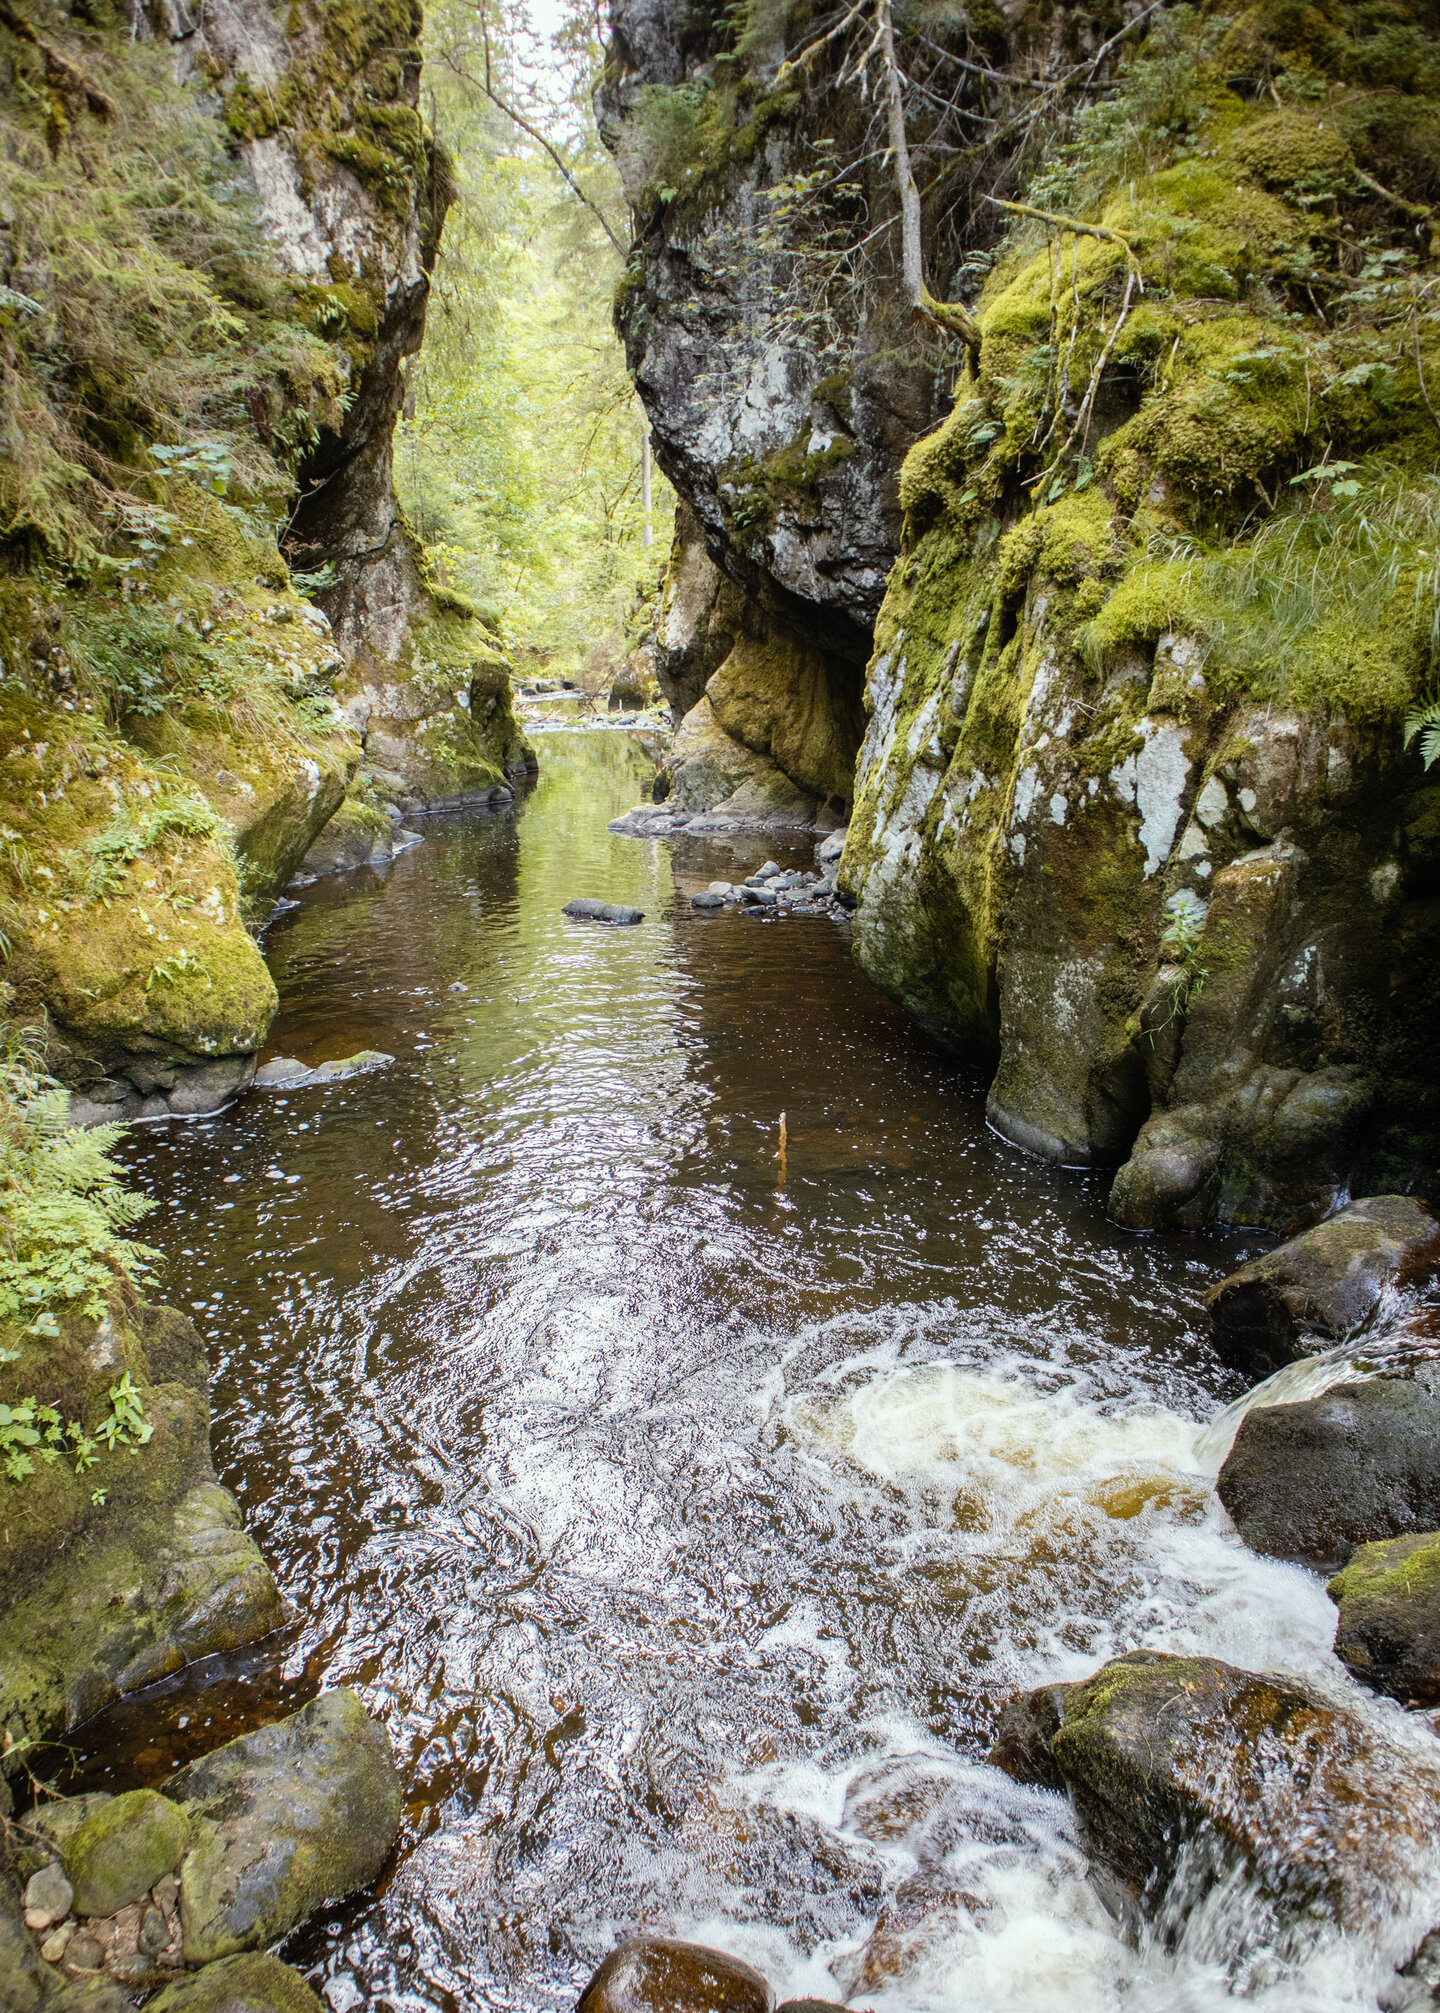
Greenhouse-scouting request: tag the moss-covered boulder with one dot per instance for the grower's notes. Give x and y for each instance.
(121, 1850)
(137, 1564)
(1321, 1286)
(254, 1982)
(1389, 1627)
(1189, 1762)
(283, 1820)
(1311, 1481)
(359, 835)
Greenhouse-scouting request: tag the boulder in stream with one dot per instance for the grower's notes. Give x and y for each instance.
(1389, 1627)
(285, 1072)
(1189, 1767)
(283, 1820)
(656, 1974)
(1321, 1286)
(121, 1850)
(1308, 1482)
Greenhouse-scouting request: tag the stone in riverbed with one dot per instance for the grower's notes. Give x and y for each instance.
(1188, 1760)
(585, 909)
(285, 1073)
(654, 1974)
(284, 1819)
(706, 899)
(1322, 1285)
(1309, 1482)
(1389, 1627)
(48, 1898)
(120, 1851)
(253, 1982)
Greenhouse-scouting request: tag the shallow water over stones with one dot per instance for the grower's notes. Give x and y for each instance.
(686, 1506)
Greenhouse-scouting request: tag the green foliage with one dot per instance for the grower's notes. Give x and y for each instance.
(65, 1211)
(522, 476)
(1424, 721)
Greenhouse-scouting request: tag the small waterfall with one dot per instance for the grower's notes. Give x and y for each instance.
(1398, 1336)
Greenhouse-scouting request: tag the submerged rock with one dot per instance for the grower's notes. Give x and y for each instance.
(1389, 1626)
(254, 1982)
(584, 909)
(707, 899)
(283, 1820)
(121, 1850)
(1309, 1482)
(1322, 1285)
(285, 1073)
(654, 1974)
(1187, 1764)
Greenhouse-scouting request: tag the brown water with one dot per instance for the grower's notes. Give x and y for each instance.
(660, 1496)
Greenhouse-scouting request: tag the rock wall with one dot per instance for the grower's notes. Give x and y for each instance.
(1135, 828)
(229, 246)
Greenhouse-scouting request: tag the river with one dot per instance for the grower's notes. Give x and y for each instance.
(686, 1511)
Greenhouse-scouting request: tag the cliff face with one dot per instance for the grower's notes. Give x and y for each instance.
(219, 225)
(1134, 824)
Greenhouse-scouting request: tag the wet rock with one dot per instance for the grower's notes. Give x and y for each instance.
(285, 1073)
(1389, 1626)
(766, 873)
(707, 899)
(120, 1851)
(890, 1797)
(831, 847)
(1309, 1482)
(253, 1982)
(653, 1974)
(810, 2006)
(1027, 1726)
(284, 1819)
(1189, 1761)
(584, 909)
(1322, 1285)
(923, 1913)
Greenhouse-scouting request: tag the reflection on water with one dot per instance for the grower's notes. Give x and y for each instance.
(666, 1508)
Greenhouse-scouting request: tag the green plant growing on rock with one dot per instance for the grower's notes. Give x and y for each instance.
(65, 1209)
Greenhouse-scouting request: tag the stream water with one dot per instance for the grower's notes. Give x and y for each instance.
(687, 1510)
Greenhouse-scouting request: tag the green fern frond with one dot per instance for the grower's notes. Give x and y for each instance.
(1424, 722)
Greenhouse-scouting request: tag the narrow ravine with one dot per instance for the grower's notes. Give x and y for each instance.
(686, 1525)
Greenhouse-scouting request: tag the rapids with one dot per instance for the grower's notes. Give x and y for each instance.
(686, 1516)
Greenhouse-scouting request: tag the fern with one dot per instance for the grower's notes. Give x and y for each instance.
(65, 1210)
(1425, 721)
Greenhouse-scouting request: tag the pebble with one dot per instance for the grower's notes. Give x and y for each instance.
(83, 1954)
(48, 1898)
(768, 871)
(53, 1948)
(721, 888)
(656, 1974)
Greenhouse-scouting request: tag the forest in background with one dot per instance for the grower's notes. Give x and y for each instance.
(518, 452)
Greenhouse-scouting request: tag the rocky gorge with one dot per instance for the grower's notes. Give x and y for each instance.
(712, 1502)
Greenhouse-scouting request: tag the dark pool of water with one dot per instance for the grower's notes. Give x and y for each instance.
(646, 1487)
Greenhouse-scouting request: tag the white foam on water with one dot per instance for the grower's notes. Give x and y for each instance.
(1107, 1513)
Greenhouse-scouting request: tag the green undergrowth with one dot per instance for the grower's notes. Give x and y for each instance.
(1213, 410)
(67, 1211)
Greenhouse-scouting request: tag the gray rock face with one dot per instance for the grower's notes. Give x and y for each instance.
(162, 1088)
(1309, 1482)
(1322, 1285)
(654, 1974)
(1184, 1768)
(283, 1820)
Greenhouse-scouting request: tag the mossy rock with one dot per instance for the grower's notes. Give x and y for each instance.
(1389, 1626)
(1187, 1762)
(1317, 1288)
(283, 1820)
(254, 1982)
(122, 1849)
